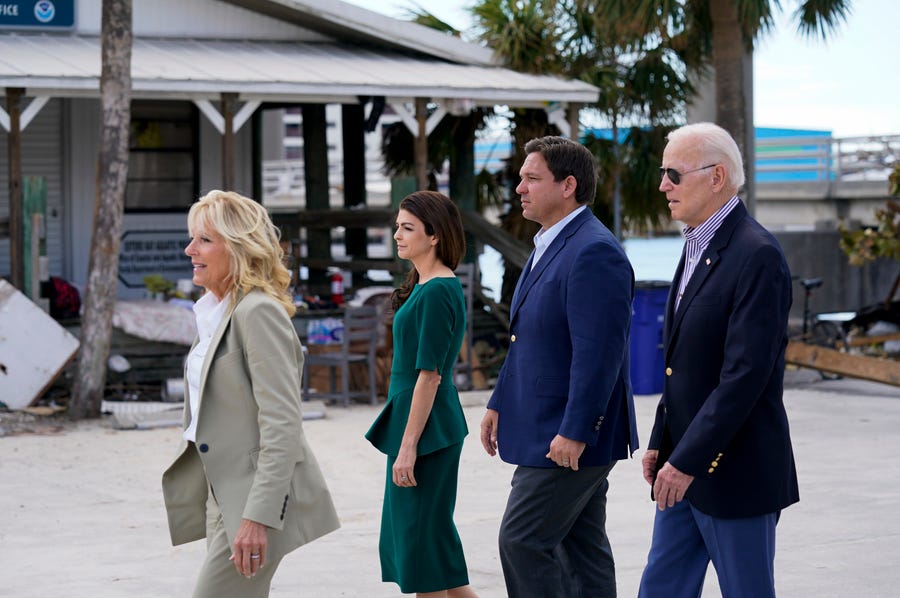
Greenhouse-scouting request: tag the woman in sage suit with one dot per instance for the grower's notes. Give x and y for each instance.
(422, 426)
(245, 477)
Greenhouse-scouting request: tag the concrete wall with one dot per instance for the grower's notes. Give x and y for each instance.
(815, 254)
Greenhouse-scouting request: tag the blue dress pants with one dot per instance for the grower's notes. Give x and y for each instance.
(686, 540)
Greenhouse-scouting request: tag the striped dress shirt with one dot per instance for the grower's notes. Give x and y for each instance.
(696, 240)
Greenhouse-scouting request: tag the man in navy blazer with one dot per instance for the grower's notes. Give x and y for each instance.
(562, 408)
(719, 459)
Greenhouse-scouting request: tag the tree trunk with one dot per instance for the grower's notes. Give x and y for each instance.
(112, 174)
(733, 64)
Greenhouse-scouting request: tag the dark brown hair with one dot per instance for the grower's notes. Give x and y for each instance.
(565, 157)
(442, 219)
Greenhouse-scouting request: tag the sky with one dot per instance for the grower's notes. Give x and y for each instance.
(847, 85)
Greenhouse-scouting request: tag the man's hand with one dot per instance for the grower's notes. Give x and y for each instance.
(670, 486)
(565, 452)
(489, 432)
(648, 463)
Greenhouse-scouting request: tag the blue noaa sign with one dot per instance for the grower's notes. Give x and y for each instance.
(37, 14)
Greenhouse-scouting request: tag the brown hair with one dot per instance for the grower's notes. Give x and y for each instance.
(442, 219)
(565, 157)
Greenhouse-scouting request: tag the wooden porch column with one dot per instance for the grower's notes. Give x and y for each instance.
(354, 142)
(16, 226)
(315, 172)
(462, 172)
(229, 102)
(420, 145)
(573, 111)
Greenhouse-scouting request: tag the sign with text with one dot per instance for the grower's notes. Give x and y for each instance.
(37, 14)
(147, 252)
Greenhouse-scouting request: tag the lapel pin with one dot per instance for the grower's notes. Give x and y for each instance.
(707, 261)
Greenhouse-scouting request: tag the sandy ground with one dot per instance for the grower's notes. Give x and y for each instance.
(81, 511)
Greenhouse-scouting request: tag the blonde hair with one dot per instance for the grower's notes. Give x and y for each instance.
(252, 241)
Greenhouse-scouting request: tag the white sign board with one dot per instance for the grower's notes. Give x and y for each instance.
(34, 348)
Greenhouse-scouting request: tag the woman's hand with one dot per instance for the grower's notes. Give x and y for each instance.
(249, 554)
(404, 465)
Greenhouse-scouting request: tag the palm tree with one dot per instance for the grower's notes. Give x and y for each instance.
(642, 87)
(725, 31)
(640, 77)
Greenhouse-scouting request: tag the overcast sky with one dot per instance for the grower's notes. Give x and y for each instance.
(848, 85)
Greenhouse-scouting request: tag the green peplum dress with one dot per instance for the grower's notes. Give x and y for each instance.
(419, 546)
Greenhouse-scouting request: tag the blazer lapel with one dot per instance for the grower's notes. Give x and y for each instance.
(517, 294)
(673, 294)
(708, 261)
(526, 281)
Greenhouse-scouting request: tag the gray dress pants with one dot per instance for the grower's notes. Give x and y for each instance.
(553, 535)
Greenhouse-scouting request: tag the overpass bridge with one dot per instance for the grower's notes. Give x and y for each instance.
(816, 181)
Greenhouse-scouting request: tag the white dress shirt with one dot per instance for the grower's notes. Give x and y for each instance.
(209, 312)
(544, 238)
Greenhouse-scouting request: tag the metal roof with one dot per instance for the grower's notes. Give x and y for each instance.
(69, 65)
(348, 22)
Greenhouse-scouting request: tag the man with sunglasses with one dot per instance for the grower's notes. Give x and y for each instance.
(719, 459)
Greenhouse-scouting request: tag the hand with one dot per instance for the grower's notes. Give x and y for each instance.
(249, 543)
(648, 462)
(565, 452)
(402, 472)
(489, 432)
(670, 486)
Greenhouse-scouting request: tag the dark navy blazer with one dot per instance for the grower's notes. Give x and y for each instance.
(567, 370)
(721, 417)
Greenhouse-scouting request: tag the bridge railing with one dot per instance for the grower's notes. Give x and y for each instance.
(785, 160)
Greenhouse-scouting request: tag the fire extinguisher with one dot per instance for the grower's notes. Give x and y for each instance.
(337, 287)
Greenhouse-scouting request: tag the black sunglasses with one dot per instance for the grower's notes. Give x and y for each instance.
(675, 176)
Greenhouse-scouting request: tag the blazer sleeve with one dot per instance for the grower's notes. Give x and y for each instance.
(753, 345)
(273, 360)
(599, 292)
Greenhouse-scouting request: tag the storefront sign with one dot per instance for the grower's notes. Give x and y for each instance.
(37, 14)
(153, 252)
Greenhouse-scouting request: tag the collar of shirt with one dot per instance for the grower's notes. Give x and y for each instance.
(704, 233)
(544, 238)
(696, 240)
(208, 311)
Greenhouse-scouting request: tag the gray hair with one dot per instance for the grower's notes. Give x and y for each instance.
(715, 145)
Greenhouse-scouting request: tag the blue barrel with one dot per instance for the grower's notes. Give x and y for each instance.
(647, 360)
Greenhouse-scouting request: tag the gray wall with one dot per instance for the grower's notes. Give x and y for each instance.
(815, 254)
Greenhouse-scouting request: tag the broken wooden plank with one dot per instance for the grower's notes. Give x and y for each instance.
(864, 367)
(865, 341)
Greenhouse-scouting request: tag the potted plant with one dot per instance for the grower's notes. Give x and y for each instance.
(158, 286)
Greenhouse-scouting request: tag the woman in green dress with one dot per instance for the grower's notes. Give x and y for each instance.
(422, 426)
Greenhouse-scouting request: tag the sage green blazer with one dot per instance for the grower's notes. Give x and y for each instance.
(250, 446)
